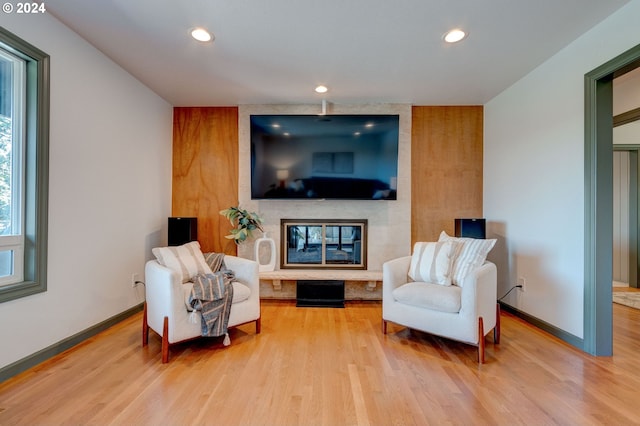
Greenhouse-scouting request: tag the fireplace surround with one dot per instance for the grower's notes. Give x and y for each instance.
(389, 221)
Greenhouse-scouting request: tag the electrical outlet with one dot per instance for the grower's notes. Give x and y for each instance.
(134, 279)
(523, 284)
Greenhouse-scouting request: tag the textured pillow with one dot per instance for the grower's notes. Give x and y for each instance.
(471, 254)
(431, 262)
(187, 260)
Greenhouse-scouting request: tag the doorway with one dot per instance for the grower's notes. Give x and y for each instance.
(625, 216)
(598, 152)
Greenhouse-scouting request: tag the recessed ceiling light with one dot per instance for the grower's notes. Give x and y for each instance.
(321, 89)
(454, 36)
(201, 34)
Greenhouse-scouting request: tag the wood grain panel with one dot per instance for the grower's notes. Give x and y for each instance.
(446, 168)
(205, 170)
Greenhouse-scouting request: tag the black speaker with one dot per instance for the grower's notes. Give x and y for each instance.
(471, 228)
(182, 230)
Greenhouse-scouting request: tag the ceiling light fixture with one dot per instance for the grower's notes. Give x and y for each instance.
(321, 89)
(201, 34)
(454, 36)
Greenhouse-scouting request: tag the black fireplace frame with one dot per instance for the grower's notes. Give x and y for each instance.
(325, 252)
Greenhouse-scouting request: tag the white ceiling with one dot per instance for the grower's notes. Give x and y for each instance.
(365, 51)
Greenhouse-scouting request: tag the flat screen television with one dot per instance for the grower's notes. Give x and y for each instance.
(332, 157)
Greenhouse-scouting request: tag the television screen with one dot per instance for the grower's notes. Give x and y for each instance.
(352, 157)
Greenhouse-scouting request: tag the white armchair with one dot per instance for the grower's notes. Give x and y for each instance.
(465, 312)
(165, 309)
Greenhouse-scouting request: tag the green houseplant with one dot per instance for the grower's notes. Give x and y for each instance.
(245, 223)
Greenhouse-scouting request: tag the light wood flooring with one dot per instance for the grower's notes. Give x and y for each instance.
(324, 366)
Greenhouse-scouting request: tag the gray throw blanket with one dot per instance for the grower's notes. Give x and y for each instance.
(212, 295)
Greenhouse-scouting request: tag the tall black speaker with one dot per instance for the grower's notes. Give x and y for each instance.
(182, 230)
(471, 228)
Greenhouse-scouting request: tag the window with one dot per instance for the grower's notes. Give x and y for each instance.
(24, 134)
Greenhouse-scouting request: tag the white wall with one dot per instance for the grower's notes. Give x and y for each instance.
(626, 92)
(627, 134)
(389, 222)
(534, 174)
(626, 97)
(109, 196)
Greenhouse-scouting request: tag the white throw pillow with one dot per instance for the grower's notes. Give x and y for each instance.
(187, 260)
(431, 262)
(471, 254)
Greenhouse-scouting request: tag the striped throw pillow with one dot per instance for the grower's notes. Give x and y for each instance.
(431, 262)
(471, 254)
(187, 260)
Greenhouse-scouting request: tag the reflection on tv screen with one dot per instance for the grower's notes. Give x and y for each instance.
(324, 157)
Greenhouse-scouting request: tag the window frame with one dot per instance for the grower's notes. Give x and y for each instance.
(36, 167)
(13, 244)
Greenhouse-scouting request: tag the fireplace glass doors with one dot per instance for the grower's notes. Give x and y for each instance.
(331, 244)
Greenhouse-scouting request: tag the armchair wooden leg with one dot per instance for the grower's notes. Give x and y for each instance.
(165, 341)
(384, 327)
(145, 327)
(480, 341)
(496, 330)
(258, 325)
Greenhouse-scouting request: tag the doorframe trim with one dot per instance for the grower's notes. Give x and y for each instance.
(598, 189)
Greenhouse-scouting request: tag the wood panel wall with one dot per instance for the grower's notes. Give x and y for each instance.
(621, 232)
(446, 168)
(205, 171)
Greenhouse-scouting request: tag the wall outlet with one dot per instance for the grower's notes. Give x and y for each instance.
(522, 283)
(134, 279)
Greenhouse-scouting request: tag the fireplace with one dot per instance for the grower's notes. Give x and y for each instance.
(320, 243)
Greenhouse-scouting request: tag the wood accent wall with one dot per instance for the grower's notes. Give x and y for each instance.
(446, 168)
(205, 171)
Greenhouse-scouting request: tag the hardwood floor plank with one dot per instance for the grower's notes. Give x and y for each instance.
(358, 398)
(324, 366)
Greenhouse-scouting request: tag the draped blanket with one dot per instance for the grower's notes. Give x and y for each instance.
(212, 295)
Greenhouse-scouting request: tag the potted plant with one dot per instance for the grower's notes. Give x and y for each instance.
(245, 223)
